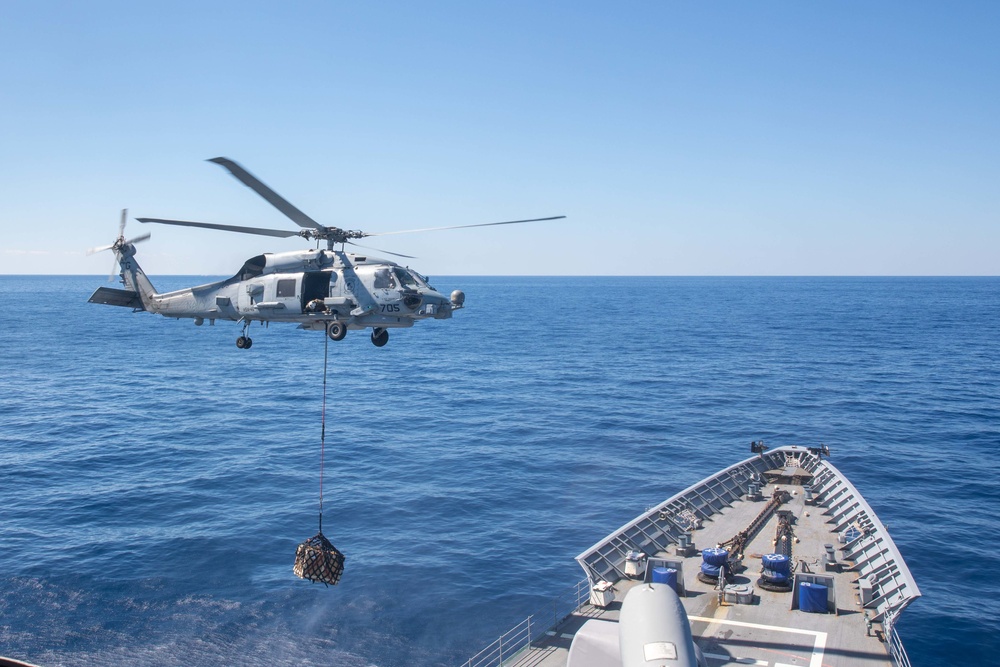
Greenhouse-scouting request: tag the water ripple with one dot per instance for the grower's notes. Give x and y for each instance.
(155, 480)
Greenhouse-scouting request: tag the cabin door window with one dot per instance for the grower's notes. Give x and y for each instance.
(286, 294)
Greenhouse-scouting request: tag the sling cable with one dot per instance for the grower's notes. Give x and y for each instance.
(317, 559)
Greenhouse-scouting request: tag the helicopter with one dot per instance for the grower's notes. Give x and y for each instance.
(329, 289)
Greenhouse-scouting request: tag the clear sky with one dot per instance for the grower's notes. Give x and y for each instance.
(680, 138)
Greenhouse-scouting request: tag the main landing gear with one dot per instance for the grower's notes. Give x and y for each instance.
(380, 336)
(244, 342)
(336, 330)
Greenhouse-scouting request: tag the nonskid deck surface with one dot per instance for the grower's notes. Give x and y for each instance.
(767, 631)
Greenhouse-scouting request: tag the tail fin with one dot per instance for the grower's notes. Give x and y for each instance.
(140, 295)
(135, 278)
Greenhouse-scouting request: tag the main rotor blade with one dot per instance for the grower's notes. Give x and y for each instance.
(485, 224)
(388, 252)
(280, 233)
(272, 197)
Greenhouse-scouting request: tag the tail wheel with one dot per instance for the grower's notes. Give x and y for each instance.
(380, 336)
(336, 330)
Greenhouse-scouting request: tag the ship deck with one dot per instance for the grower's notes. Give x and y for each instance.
(766, 628)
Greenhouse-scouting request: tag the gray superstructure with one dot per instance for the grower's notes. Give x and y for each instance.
(788, 504)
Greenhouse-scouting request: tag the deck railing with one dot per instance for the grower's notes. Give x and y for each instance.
(521, 635)
(896, 650)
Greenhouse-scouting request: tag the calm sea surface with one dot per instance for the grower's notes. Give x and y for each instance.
(155, 480)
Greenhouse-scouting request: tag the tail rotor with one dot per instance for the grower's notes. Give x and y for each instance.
(119, 243)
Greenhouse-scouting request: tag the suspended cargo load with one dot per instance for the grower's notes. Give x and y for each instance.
(317, 559)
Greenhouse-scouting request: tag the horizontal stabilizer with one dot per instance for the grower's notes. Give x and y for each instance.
(116, 297)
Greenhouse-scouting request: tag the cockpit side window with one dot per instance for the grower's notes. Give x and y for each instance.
(383, 279)
(422, 279)
(406, 279)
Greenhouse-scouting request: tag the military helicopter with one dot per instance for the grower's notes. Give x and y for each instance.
(320, 289)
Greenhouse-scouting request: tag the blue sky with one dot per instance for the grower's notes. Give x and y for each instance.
(725, 138)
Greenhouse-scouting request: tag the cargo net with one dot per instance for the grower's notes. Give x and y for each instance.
(317, 559)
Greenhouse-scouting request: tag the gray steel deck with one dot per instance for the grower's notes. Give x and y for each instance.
(768, 631)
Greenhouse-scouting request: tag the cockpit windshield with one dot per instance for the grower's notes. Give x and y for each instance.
(422, 279)
(406, 278)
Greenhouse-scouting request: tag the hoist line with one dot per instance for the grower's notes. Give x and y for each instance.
(322, 436)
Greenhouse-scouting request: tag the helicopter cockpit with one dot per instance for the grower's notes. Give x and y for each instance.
(405, 278)
(410, 278)
(399, 278)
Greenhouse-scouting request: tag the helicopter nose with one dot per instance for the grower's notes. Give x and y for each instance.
(436, 305)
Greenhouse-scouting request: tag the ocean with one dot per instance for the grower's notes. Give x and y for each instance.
(155, 479)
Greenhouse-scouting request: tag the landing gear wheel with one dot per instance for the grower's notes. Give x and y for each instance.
(244, 342)
(336, 330)
(379, 336)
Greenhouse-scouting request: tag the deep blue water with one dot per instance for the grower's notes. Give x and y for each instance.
(155, 479)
